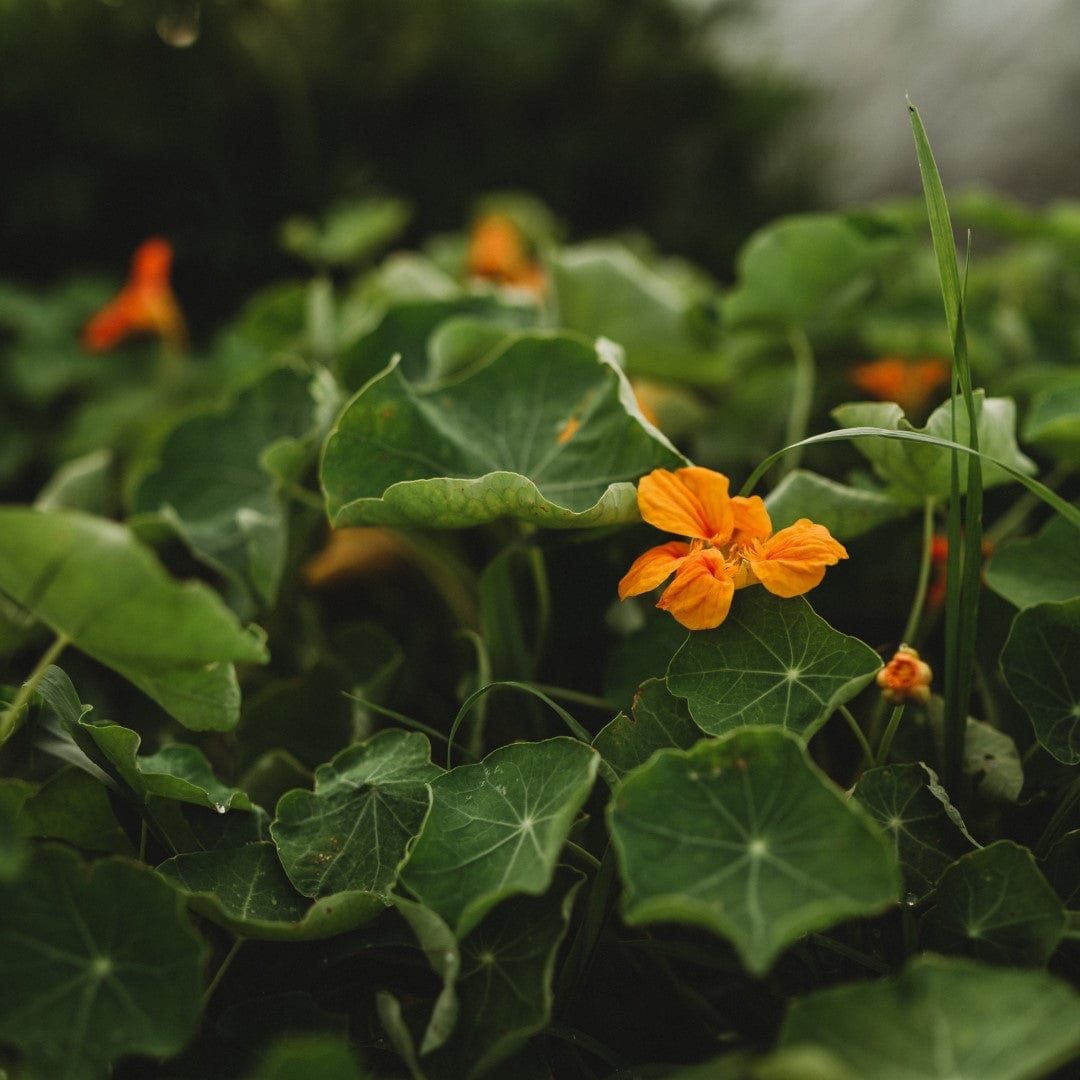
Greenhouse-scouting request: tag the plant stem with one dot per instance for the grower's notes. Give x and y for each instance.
(580, 955)
(802, 394)
(11, 717)
(911, 630)
(868, 753)
(887, 738)
(1013, 518)
(1060, 815)
(226, 963)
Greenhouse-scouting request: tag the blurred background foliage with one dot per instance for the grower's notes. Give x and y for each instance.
(211, 121)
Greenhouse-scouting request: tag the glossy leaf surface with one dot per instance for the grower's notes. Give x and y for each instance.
(739, 835)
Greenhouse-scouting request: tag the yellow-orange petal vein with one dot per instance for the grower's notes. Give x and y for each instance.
(689, 502)
(793, 561)
(700, 595)
(655, 566)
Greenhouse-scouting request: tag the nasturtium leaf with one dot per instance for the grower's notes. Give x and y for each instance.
(463, 341)
(74, 807)
(1053, 421)
(176, 771)
(1062, 868)
(496, 828)
(606, 290)
(995, 905)
(504, 987)
(846, 512)
(214, 484)
(1041, 666)
(14, 831)
(658, 721)
(245, 890)
(800, 271)
(308, 1057)
(349, 232)
(739, 835)
(916, 471)
(1040, 568)
(86, 483)
(406, 327)
(772, 662)
(943, 1019)
(547, 432)
(352, 832)
(95, 964)
(992, 761)
(92, 581)
(914, 811)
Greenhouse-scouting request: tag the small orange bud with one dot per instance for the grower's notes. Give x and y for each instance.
(905, 678)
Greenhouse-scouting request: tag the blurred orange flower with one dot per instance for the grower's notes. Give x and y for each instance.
(905, 678)
(352, 552)
(498, 252)
(907, 382)
(145, 304)
(731, 545)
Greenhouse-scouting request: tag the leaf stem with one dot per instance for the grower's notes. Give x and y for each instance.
(226, 963)
(887, 737)
(1013, 518)
(868, 753)
(1061, 814)
(911, 630)
(12, 716)
(802, 393)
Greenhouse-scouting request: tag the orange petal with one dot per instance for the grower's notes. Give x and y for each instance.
(353, 552)
(752, 520)
(690, 502)
(907, 382)
(793, 561)
(648, 570)
(700, 596)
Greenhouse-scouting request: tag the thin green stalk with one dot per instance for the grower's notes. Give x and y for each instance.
(12, 716)
(802, 393)
(868, 753)
(598, 906)
(576, 696)
(226, 963)
(887, 738)
(911, 630)
(1060, 816)
(452, 579)
(1014, 518)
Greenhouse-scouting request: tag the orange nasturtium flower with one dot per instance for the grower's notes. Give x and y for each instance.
(498, 252)
(731, 545)
(905, 678)
(907, 382)
(145, 304)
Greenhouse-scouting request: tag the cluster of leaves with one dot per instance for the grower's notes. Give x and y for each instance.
(411, 796)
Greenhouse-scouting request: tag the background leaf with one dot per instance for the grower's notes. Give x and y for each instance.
(245, 890)
(92, 581)
(496, 828)
(352, 832)
(1041, 666)
(914, 811)
(916, 471)
(772, 662)
(846, 512)
(96, 964)
(1038, 569)
(943, 1017)
(546, 432)
(739, 835)
(995, 905)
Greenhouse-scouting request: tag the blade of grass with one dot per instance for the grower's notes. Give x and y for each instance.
(964, 523)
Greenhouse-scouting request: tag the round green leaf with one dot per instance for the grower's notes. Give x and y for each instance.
(1053, 421)
(772, 662)
(913, 809)
(95, 964)
(943, 1019)
(91, 580)
(1040, 568)
(800, 271)
(547, 432)
(245, 890)
(1041, 666)
(995, 905)
(302, 1057)
(658, 721)
(352, 832)
(916, 471)
(496, 828)
(740, 835)
(214, 487)
(846, 512)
